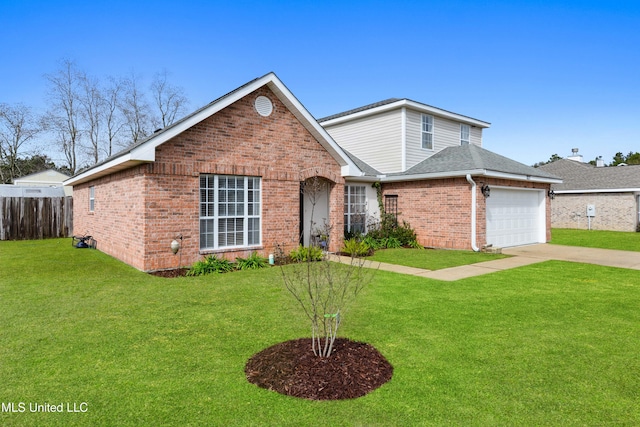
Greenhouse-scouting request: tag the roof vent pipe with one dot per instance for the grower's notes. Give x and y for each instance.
(473, 213)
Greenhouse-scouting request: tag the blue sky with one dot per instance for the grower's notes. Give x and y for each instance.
(548, 75)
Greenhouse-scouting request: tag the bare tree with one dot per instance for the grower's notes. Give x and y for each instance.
(64, 111)
(18, 126)
(324, 288)
(135, 109)
(169, 100)
(113, 118)
(92, 111)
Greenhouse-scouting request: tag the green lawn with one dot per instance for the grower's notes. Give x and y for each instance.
(625, 241)
(548, 344)
(431, 259)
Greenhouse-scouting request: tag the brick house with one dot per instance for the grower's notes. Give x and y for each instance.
(595, 197)
(227, 179)
(432, 170)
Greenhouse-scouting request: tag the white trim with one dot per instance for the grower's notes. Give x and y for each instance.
(468, 140)
(432, 133)
(474, 172)
(403, 137)
(602, 190)
(423, 108)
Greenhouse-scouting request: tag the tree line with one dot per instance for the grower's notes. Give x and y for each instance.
(87, 119)
(619, 158)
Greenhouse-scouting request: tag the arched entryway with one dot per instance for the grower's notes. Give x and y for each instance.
(315, 220)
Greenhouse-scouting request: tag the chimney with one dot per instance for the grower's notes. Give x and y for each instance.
(575, 156)
(599, 162)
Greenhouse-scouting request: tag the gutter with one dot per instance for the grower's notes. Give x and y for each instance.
(474, 196)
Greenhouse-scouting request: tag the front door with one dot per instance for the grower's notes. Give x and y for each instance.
(314, 209)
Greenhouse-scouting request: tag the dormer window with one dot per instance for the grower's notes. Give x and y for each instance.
(427, 132)
(464, 134)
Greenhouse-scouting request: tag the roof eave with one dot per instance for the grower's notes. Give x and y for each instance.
(601, 190)
(472, 172)
(411, 104)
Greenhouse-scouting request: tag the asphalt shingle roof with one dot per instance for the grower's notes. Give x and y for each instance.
(471, 157)
(578, 176)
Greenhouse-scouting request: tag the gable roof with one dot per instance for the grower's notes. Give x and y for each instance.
(395, 103)
(581, 177)
(44, 176)
(473, 160)
(144, 151)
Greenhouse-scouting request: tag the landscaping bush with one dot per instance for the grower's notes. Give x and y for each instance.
(253, 262)
(356, 248)
(304, 254)
(210, 264)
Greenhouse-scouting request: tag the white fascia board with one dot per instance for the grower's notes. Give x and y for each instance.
(518, 177)
(348, 167)
(472, 172)
(423, 108)
(121, 162)
(435, 175)
(602, 190)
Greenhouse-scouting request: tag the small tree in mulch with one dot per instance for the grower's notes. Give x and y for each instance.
(324, 366)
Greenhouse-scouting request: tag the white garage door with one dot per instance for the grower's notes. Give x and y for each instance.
(515, 217)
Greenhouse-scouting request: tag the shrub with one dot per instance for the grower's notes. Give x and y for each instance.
(304, 254)
(253, 262)
(210, 264)
(356, 248)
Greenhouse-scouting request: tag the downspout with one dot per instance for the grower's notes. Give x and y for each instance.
(473, 213)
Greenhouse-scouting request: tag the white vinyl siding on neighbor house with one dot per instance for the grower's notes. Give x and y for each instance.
(230, 211)
(376, 140)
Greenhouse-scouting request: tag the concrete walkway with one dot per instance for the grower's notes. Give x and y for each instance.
(520, 256)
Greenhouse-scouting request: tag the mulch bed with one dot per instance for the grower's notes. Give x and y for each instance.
(176, 272)
(352, 370)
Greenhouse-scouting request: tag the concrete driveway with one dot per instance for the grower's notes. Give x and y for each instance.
(520, 256)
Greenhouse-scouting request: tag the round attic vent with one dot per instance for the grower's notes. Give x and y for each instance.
(263, 105)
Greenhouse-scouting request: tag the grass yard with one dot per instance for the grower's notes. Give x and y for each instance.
(625, 241)
(548, 344)
(431, 259)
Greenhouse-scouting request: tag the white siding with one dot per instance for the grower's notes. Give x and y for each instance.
(446, 133)
(377, 140)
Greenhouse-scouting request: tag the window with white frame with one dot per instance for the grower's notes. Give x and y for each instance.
(464, 134)
(92, 198)
(355, 208)
(427, 132)
(230, 211)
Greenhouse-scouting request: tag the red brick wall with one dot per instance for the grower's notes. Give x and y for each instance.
(117, 221)
(158, 201)
(439, 210)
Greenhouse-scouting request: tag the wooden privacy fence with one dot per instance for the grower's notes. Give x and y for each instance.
(28, 218)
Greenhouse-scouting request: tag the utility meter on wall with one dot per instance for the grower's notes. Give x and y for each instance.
(591, 210)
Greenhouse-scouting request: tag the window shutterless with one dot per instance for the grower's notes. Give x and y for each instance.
(230, 211)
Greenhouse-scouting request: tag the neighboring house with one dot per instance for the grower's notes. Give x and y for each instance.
(595, 197)
(432, 169)
(46, 178)
(236, 176)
